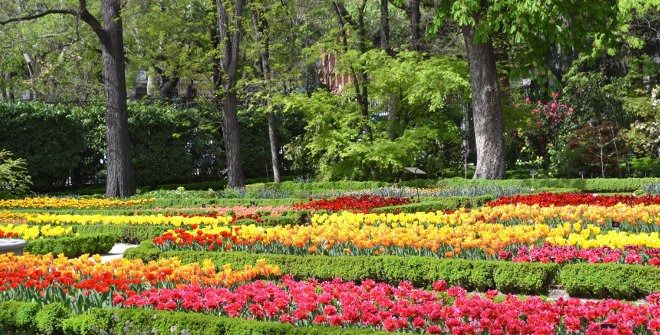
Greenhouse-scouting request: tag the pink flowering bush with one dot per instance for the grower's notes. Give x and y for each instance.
(404, 308)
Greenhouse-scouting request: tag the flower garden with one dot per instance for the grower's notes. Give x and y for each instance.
(367, 263)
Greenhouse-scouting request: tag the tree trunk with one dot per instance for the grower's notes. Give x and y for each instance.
(261, 31)
(120, 182)
(232, 137)
(272, 136)
(415, 18)
(486, 107)
(229, 35)
(384, 25)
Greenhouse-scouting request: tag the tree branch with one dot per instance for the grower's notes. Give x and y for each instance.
(37, 15)
(82, 13)
(93, 23)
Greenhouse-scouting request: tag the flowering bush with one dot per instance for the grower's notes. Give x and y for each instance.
(404, 308)
(361, 203)
(85, 282)
(566, 199)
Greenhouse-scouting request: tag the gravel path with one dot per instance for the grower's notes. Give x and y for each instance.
(117, 252)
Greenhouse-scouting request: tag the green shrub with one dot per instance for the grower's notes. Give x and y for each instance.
(17, 317)
(439, 204)
(72, 246)
(610, 280)
(421, 271)
(533, 278)
(123, 233)
(14, 178)
(246, 222)
(602, 185)
(49, 318)
(144, 321)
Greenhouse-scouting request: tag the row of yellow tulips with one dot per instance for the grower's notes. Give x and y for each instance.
(77, 203)
(81, 219)
(521, 214)
(29, 232)
(485, 236)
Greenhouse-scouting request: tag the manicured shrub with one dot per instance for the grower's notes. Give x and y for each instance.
(49, 318)
(73, 246)
(421, 271)
(601, 185)
(123, 233)
(610, 280)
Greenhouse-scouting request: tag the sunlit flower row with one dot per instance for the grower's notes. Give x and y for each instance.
(637, 217)
(77, 203)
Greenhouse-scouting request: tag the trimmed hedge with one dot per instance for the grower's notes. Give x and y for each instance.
(508, 277)
(72, 246)
(439, 204)
(603, 185)
(610, 280)
(585, 280)
(123, 233)
(53, 319)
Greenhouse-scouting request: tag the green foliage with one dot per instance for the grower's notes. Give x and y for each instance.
(49, 318)
(610, 280)
(440, 204)
(413, 102)
(49, 139)
(601, 185)
(73, 246)
(14, 178)
(63, 143)
(123, 233)
(17, 317)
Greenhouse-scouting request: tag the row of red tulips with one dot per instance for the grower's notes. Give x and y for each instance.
(361, 203)
(404, 308)
(566, 199)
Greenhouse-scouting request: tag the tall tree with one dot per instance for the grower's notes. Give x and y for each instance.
(537, 28)
(229, 29)
(262, 36)
(120, 180)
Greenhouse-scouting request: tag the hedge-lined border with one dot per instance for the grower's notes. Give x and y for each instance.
(72, 246)
(54, 319)
(618, 281)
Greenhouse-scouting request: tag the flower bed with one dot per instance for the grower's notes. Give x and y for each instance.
(474, 241)
(361, 203)
(85, 282)
(401, 308)
(571, 199)
(632, 218)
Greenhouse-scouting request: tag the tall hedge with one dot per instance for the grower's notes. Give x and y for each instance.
(64, 144)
